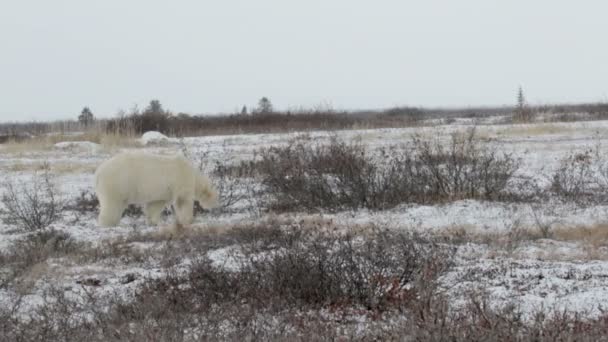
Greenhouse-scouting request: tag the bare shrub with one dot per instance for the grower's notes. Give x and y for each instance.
(464, 168)
(573, 178)
(233, 183)
(581, 178)
(285, 272)
(86, 202)
(34, 248)
(43, 244)
(133, 211)
(34, 204)
(429, 318)
(410, 114)
(480, 321)
(544, 225)
(304, 176)
(298, 284)
(340, 175)
(381, 271)
(242, 169)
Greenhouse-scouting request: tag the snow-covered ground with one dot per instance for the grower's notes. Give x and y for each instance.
(531, 272)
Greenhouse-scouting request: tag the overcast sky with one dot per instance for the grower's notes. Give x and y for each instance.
(215, 56)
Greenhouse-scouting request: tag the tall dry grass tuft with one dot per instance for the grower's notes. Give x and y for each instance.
(596, 234)
(108, 139)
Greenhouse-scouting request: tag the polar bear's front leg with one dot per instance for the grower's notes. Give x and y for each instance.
(110, 212)
(184, 210)
(153, 211)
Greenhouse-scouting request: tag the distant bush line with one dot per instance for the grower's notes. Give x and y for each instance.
(183, 124)
(195, 125)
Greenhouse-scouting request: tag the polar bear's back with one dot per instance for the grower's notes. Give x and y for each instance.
(137, 177)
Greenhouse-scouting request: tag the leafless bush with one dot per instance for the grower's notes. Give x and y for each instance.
(133, 210)
(340, 175)
(34, 248)
(299, 285)
(185, 124)
(544, 224)
(86, 202)
(289, 271)
(381, 271)
(573, 179)
(43, 244)
(34, 204)
(480, 321)
(293, 283)
(410, 114)
(310, 177)
(233, 182)
(464, 168)
(286, 273)
(581, 178)
(430, 318)
(242, 169)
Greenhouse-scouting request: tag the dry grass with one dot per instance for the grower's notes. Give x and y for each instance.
(31, 145)
(507, 240)
(537, 129)
(310, 223)
(20, 166)
(115, 140)
(564, 244)
(596, 234)
(63, 168)
(55, 168)
(108, 141)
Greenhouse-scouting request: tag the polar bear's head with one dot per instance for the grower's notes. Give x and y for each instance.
(205, 193)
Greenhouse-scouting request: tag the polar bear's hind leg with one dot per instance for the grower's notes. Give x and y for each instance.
(184, 211)
(153, 211)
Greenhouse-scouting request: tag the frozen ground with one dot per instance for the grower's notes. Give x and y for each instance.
(568, 271)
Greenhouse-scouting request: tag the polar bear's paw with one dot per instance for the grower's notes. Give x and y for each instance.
(172, 230)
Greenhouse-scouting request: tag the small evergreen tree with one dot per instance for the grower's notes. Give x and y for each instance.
(86, 117)
(264, 106)
(522, 111)
(153, 118)
(244, 110)
(154, 108)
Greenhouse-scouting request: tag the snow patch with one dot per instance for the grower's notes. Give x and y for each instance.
(154, 138)
(228, 258)
(78, 146)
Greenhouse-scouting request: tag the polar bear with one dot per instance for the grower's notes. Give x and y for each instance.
(154, 181)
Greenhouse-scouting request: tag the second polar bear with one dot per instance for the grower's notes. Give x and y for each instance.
(153, 181)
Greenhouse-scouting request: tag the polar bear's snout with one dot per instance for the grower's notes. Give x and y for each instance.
(206, 194)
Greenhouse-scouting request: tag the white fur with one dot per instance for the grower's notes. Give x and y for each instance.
(153, 181)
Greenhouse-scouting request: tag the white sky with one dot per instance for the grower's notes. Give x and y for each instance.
(210, 56)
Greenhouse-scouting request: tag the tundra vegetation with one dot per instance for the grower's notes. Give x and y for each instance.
(322, 235)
